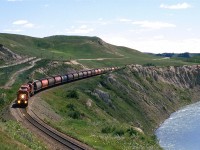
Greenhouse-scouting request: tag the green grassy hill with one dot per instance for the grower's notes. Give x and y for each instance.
(80, 47)
(67, 46)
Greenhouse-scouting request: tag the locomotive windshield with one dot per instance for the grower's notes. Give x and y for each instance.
(23, 87)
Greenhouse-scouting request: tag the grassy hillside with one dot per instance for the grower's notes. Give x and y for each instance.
(12, 135)
(81, 48)
(103, 111)
(66, 46)
(97, 115)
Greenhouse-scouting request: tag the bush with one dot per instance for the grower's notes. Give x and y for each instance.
(131, 131)
(137, 76)
(113, 130)
(71, 107)
(73, 94)
(2, 101)
(107, 129)
(149, 64)
(119, 132)
(75, 114)
(149, 79)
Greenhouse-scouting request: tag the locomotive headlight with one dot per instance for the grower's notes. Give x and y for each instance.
(22, 96)
(25, 102)
(18, 101)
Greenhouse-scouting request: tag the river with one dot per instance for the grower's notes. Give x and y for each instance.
(182, 130)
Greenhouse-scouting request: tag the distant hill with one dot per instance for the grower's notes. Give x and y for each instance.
(182, 55)
(65, 46)
(86, 50)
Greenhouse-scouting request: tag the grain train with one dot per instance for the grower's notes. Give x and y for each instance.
(29, 89)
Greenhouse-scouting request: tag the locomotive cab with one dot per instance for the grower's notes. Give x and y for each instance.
(23, 95)
(31, 88)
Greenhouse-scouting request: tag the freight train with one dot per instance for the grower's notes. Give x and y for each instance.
(29, 89)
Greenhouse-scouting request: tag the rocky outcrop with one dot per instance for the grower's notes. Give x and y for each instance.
(7, 54)
(102, 95)
(184, 76)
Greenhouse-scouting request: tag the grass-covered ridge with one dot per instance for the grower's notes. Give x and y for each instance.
(66, 46)
(106, 111)
(102, 122)
(81, 48)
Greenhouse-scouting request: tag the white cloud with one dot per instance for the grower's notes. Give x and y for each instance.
(160, 46)
(29, 25)
(156, 45)
(176, 6)
(83, 29)
(189, 29)
(158, 37)
(124, 20)
(153, 25)
(12, 30)
(23, 23)
(20, 22)
(99, 21)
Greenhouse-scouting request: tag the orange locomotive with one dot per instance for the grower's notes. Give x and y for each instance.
(24, 92)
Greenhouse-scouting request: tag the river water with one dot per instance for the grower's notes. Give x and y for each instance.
(182, 130)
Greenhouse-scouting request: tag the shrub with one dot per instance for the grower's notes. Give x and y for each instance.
(73, 94)
(137, 76)
(131, 131)
(149, 79)
(149, 64)
(2, 101)
(107, 129)
(74, 114)
(119, 132)
(71, 107)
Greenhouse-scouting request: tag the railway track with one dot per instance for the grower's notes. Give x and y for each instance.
(69, 144)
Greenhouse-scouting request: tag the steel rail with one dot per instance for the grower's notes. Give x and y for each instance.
(64, 141)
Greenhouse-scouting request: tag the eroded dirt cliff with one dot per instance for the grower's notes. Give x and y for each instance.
(153, 93)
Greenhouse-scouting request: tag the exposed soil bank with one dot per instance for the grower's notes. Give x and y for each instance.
(156, 92)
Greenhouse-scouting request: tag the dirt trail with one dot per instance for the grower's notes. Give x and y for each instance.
(19, 62)
(75, 61)
(100, 59)
(9, 84)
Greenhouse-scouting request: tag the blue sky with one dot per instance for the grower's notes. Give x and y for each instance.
(146, 25)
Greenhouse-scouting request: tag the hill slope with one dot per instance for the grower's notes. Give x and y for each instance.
(80, 48)
(102, 111)
(66, 46)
